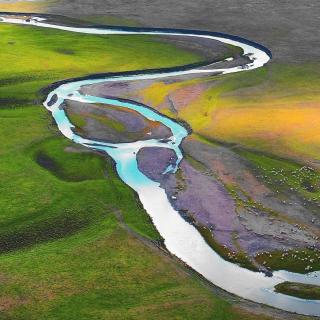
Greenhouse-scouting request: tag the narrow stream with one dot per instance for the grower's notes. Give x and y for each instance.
(181, 238)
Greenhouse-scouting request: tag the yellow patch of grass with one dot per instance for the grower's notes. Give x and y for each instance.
(273, 109)
(157, 93)
(24, 6)
(288, 130)
(198, 113)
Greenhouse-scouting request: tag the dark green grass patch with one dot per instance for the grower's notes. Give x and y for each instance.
(301, 261)
(73, 164)
(300, 290)
(44, 226)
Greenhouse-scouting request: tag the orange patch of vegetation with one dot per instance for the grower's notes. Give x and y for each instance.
(250, 315)
(285, 130)
(255, 188)
(286, 126)
(226, 177)
(23, 6)
(7, 302)
(275, 111)
(182, 97)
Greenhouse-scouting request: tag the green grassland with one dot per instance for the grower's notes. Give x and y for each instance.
(75, 242)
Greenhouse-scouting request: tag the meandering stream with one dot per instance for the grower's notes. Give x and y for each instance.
(181, 238)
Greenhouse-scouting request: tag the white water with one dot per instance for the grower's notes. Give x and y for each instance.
(181, 238)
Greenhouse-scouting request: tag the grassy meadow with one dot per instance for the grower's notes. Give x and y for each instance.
(74, 241)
